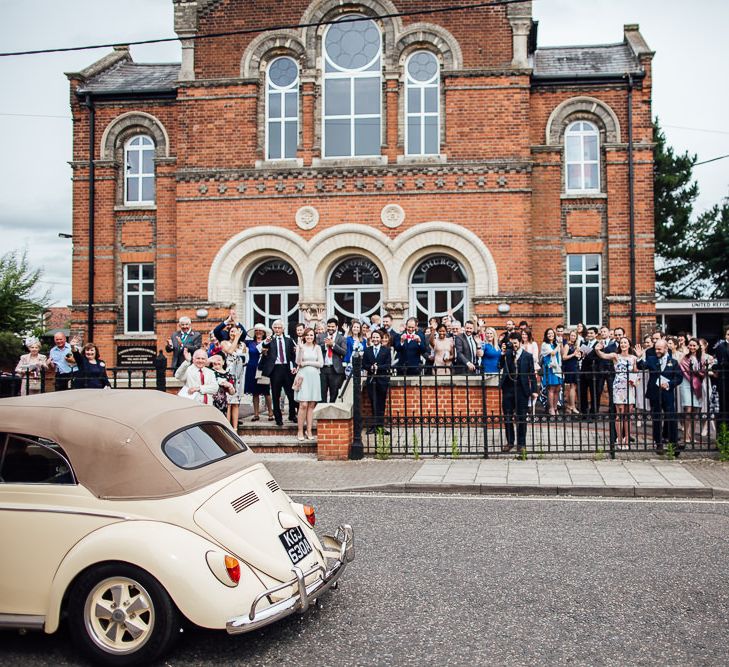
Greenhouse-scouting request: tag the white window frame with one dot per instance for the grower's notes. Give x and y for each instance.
(255, 315)
(352, 75)
(146, 144)
(583, 285)
(422, 114)
(582, 162)
(273, 89)
(144, 290)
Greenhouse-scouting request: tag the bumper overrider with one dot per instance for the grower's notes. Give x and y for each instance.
(341, 548)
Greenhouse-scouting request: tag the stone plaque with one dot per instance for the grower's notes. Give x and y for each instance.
(137, 354)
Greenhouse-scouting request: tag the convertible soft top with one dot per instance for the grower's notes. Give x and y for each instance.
(114, 438)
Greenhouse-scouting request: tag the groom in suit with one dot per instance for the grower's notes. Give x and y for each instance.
(518, 384)
(377, 361)
(333, 349)
(277, 363)
(184, 339)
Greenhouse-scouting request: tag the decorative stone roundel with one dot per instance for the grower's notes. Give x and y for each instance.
(307, 217)
(392, 215)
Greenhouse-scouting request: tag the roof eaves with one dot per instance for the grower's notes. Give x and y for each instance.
(119, 54)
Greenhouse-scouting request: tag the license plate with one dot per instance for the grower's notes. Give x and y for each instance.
(296, 545)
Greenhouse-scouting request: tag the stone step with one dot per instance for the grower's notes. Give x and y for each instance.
(278, 443)
(265, 427)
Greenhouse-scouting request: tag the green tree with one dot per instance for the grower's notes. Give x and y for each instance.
(21, 304)
(691, 254)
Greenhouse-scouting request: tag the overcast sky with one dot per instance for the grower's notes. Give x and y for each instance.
(689, 94)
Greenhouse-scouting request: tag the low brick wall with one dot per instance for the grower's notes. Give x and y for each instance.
(334, 431)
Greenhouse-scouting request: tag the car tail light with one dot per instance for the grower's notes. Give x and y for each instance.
(309, 514)
(233, 568)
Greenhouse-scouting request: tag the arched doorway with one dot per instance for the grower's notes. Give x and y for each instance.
(273, 293)
(354, 289)
(439, 285)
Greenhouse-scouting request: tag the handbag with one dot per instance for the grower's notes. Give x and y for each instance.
(261, 378)
(298, 381)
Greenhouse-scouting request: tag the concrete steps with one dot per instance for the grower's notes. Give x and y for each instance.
(265, 437)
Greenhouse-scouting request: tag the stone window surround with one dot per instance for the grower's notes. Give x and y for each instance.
(305, 47)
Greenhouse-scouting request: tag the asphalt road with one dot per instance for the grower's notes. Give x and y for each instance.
(469, 580)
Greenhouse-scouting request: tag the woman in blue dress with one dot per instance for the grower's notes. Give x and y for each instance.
(551, 368)
(571, 366)
(253, 384)
(490, 359)
(355, 341)
(91, 370)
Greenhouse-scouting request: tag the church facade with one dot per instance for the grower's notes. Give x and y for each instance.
(364, 158)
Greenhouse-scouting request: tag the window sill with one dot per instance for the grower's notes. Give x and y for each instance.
(136, 207)
(422, 159)
(379, 160)
(583, 195)
(136, 336)
(293, 163)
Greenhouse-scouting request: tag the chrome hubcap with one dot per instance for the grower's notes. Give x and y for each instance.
(119, 615)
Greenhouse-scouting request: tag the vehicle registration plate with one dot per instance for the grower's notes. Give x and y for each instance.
(296, 544)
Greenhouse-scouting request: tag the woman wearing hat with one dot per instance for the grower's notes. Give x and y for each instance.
(253, 380)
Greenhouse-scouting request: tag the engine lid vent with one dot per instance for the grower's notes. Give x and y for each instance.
(246, 500)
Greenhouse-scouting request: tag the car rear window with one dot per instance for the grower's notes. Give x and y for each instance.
(201, 444)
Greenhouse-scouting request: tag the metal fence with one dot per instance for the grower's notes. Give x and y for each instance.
(424, 412)
(41, 381)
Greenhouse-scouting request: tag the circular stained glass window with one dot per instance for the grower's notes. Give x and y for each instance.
(353, 45)
(283, 72)
(422, 66)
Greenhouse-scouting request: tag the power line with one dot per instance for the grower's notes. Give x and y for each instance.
(290, 26)
(714, 159)
(35, 115)
(696, 129)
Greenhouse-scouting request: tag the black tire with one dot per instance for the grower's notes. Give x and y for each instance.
(119, 615)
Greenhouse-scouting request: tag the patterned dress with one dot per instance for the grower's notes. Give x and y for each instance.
(623, 391)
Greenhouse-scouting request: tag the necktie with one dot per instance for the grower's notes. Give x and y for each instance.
(663, 363)
(472, 345)
(202, 382)
(376, 351)
(330, 352)
(281, 357)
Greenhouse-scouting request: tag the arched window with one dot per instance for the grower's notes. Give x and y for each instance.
(438, 286)
(582, 157)
(139, 170)
(282, 109)
(355, 289)
(273, 293)
(422, 104)
(352, 89)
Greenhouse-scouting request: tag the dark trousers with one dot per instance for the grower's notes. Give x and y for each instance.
(281, 378)
(62, 381)
(331, 381)
(377, 391)
(514, 403)
(664, 418)
(590, 383)
(722, 388)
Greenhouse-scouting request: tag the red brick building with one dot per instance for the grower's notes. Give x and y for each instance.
(410, 164)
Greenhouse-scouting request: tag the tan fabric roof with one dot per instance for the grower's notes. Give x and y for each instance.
(114, 438)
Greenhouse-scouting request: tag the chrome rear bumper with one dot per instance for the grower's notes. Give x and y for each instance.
(343, 543)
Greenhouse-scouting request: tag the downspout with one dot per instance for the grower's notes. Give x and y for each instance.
(631, 206)
(89, 104)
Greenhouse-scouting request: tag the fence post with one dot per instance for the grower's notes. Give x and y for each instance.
(357, 451)
(160, 367)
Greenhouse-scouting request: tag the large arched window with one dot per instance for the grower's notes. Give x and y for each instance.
(422, 84)
(355, 289)
(438, 286)
(582, 157)
(273, 293)
(352, 89)
(139, 170)
(282, 109)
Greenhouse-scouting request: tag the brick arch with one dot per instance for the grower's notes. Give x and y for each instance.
(335, 244)
(425, 239)
(583, 108)
(242, 252)
(133, 122)
(326, 10)
(432, 37)
(267, 46)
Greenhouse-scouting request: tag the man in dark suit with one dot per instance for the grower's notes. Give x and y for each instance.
(410, 347)
(222, 331)
(721, 351)
(377, 361)
(589, 374)
(278, 364)
(333, 349)
(183, 339)
(468, 350)
(607, 373)
(387, 326)
(518, 385)
(664, 376)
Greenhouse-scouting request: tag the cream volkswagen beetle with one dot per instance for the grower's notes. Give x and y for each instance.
(130, 511)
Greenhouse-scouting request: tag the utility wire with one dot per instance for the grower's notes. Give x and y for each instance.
(248, 31)
(34, 115)
(696, 129)
(714, 159)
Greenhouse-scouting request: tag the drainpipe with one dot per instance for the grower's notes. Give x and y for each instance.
(89, 104)
(631, 204)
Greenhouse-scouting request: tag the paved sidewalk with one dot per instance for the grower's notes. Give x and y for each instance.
(628, 479)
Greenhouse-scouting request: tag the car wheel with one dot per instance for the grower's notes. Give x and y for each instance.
(119, 615)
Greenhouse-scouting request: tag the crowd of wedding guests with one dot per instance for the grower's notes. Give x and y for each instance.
(571, 368)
